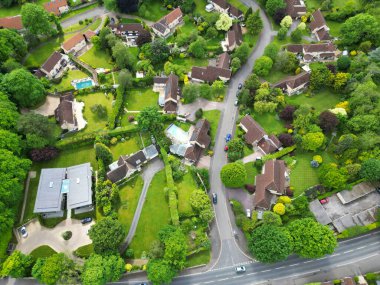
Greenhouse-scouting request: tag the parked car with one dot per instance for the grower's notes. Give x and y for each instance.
(248, 213)
(324, 201)
(236, 102)
(214, 198)
(226, 148)
(378, 190)
(86, 220)
(23, 232)
(228, 137)
(240, 86)
(240, 269)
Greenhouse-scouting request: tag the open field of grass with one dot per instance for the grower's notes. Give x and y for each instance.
(42, 251)
(129, 197)
(138, 99)
(97, 58)
(95, 123)
(213, 117)
(154, 216)
(152, 10)
(65, 84)
(185, 188)
(251, 173)
(16, 9)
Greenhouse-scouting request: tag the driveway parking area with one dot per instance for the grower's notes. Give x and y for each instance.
(39, 235)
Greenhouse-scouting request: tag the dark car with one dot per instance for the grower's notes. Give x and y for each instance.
(86, 220)
(240, 86)
(228, 137)
(214, 198)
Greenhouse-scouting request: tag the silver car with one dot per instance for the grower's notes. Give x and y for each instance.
(240, 269)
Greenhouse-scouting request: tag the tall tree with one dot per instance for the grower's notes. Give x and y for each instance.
(328, 121)
(159, 272)
(263, 65)
(311, 239)
(128, 6)
(12, 45)
(254, 23)
(370, 170)
(198, 48)
(9, 115)
(150, 120)
(36, 19)
(233, 175)
(10, 141)
(224, 23)
(176, 250)
(272, 6)
(17, 265)
(201, 204)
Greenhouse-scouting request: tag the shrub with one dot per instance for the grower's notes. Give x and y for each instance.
(199, 113)
(318, 158)
(284, 200)
(67, 235)
(280, 153)
(131, 119)
(233, 175)
(129, 253)
(44, 154)
(128, 267)
(279, 208)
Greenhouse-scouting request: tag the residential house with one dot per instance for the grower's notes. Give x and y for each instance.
(13, 22)
(272, 182)
(77, 42)
(318, 26)
(234, 38)
(169, 92)
(65, 113)
(294, 84)
(257, 137)
(307, 53)
(199, 141)
(128, 32)
(126, 165)
(235, 13)
(295, 8)
(57, 7)
(167, 25)
(348, 281)
(223, 6)
(54, 65)
(64, 188)
(210, 73)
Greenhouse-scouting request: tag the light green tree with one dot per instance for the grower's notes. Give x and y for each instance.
(224, 22)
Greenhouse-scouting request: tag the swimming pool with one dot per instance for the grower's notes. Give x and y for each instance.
(84, 84)
(177, 135)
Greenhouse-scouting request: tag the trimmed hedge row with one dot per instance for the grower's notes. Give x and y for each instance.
(279, 154)
(117, 109)
(88, 139)
(173, 201)
(358, 230)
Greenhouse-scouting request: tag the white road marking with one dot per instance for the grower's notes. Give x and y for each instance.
(280, 267)
(308, 261)
(265, 271)
(361, 247)
(348, 251)
(294, 264)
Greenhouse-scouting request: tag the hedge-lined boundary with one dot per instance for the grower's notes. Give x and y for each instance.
(88, 139)
(279, 154)
(173, 201)
(117, 109)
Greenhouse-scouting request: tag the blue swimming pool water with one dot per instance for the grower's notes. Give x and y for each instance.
(84, 84)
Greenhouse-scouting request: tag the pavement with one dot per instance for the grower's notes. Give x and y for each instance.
(39, 235)
(252, 157)
(48, 108)
(197, 104)
(85, 15)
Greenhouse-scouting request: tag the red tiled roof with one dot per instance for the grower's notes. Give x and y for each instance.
(52, 61)
(173, 15)
(318, 20)
(200, 133)
(254, 131)
(223, 61)
(53, 6)
(73, 41)
(210, 73)
(14, 22)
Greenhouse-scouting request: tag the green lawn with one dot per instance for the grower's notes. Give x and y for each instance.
(189, 62)
(129, 197)
(65, 84)
(154, 216)
(16, 9)
(79, 11)
(84, 251)
(153, 11)
(275, 76)
(97, 58)
(303, 175)
(251, 173)
(127, 147)
(65, 159)
(321, 101)
(77, 27)
(238, 4)
(199, 258)
(334, 27)
(213, 117)
(5, 239)
(95, 123)
(138, 99)
(185, 188)
(270, 123)
(42, 251)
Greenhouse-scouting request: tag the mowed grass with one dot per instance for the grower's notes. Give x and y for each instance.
(155, 215)
(94, 123)
(270, 122)
(189, 62)
(138, 99)
(16, 9)
(66, 158)
(275, 76)
(154, 10)
(77, 27)
(122, 148)
(321, 101)
(251, 172)
(213, 117)
(42, 251)
(65, 84)
(129, 197)
(199, 258)
(97, 58)
(185, 188)
(302, 175)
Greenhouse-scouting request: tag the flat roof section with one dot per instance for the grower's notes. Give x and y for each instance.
(357, 191)
(319, 212)
(80, 193)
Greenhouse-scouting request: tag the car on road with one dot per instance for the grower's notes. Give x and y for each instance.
(228, 137)
(214, 198)
(236, 102)
(86, 220)
(378, 190)
(248, 213)
(324, 201)
(226, 148)
(240, 86)
(240, 269)
(23, 232)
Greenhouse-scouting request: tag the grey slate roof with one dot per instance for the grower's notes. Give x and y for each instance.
(80, 193)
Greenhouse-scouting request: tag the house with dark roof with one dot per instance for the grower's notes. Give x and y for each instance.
(57, 7)
(223, 6)
(257, 137)
(65, 113)
(126, 165)
(210, 73)
(318, 26)
(295, 8)
(307, 53)
(294, 84)
(199, 141)
(77, 42)
(169, 92)
(54, 65)
(270, 184)
(128, 32)
(13, 22)
(167, 25)
(64, 188)
(234, 38)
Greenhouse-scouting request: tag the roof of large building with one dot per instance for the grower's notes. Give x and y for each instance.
(118, 173)
(53, 6)
(210, 73)
(171, 89)
(65, 113)
(193, 153)
(254, 131)
(75, 181)
(223, 60)
(296, 48)
(136, 159)
(294, 81)
(52, 61)
(235, 11)
(272, 179)
(318, 20)
(294, 8)
(73, 41)
(200, 133)
(319, 212)
(235, 35)
(14, 22)
(131, 27)
(323, 35)
(322, 47)
(221, 3)
(173, 15)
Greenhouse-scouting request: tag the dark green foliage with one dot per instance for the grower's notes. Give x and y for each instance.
(17, 265)
(320, 76)
(254, 23)
(235, 149)
(150, 120)
(199, 113)
(233, 175)
(9, 115)
(36, 19)
(107, 195)
(103, 152)
(296, 35)
(272, 6)
(201, 204)
(370, 170)
(159, 272)
(12, 46)
(343, 63)
(242, 52)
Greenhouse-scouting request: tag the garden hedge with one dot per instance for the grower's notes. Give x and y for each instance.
(279, 154)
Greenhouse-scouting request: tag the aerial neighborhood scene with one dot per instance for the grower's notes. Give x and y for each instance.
(190, 142)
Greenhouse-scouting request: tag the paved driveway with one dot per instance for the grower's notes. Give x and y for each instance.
(48, 108)
(199, 103)
(39, 235)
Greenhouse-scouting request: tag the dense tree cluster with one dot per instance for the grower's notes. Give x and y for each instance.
(234, 174)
